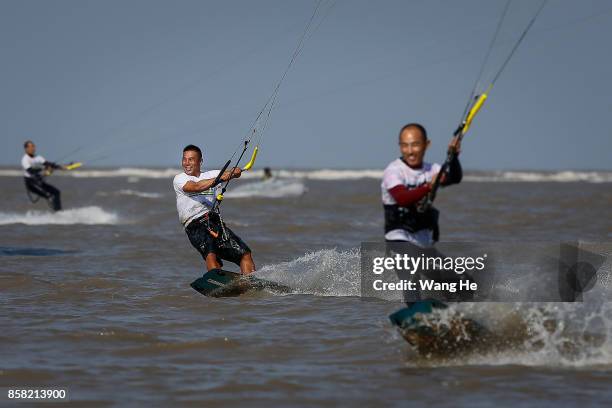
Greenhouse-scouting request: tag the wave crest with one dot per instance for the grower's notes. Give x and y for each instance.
(91, 215)
(133, 174)
(128, 192)
(272, 188)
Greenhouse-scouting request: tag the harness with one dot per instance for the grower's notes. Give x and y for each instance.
(215, 225)
(411, 219)
(34, 198)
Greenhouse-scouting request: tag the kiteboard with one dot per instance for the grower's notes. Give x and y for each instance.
(431, 335)
(220, 283)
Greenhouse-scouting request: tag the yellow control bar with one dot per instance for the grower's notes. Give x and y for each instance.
(472, 113)
(252, 161)
(247, 167)
(73, 166)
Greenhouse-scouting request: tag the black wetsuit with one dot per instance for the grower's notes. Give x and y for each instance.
(35, 184)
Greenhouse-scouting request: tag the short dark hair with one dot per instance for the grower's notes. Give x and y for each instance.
(414, 126)
(193, 148)
(26, 143)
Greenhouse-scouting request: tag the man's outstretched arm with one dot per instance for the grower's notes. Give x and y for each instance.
(52, 165)
(406, 197)
(203, 185)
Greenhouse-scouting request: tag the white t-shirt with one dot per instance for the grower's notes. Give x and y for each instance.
(193, 205)
(36, 162)
(399, 173)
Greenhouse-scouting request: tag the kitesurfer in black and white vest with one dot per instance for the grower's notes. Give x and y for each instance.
(406, 183)
(411, 223)
(35, 169)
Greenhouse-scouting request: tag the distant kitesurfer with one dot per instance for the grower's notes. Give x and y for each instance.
(405, 185)
(36, 168)
(195, 201)
(267, 173)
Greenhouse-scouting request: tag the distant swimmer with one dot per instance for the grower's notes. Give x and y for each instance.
(267, 173)
(196, 195)
(36, 168)
(405, 185)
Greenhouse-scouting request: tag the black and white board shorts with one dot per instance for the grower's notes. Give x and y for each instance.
(232, 249)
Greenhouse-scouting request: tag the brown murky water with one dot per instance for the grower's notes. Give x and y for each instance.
(96, 299)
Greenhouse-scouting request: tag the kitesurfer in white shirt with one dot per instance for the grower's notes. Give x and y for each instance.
(196, 195)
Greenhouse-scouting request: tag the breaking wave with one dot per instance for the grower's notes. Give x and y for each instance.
(133, 174)
(128, 192)
(85, 215)
(272, 188)
(529, 177)
(328, 174)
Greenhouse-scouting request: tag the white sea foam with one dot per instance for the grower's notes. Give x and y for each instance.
(141, 194)
(530, 177)
(556, 334)
(327, 272)
(272, 188)
(85, 215)
(329, 174)
(128, 192)
(567, 176)
(133, 174)
(11, 173)
(125, 172)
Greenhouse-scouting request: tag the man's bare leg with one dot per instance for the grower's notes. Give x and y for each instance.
(246, 264)
(212, 262)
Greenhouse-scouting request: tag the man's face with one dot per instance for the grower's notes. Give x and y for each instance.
(30, 149)
(413, 146)
(191, 163)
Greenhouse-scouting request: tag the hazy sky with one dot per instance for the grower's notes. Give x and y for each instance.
(131, 82)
